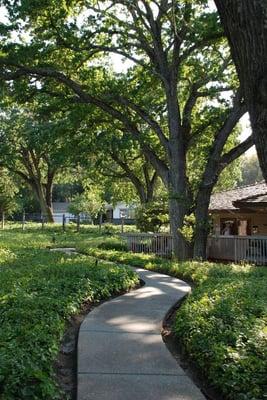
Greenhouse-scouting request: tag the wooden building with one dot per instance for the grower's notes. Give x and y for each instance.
(239, 218)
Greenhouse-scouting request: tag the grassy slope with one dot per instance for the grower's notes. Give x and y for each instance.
(39, 291)
(223, 324)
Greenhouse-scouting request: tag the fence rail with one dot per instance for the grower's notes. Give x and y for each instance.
(238, 248)
(231, 248)
(158, 243)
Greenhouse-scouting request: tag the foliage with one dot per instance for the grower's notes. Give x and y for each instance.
(114, 243)
(183, 132)
(8, 191)
(66, 191)
(27, 201)
(39, 291)
(89, 202)
(250, 169)
(34, 147)
(188, 227)
(150, 217)
(230, 177)
(222, 325)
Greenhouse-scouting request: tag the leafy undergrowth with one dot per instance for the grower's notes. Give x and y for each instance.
(39, 292)
(223, 324)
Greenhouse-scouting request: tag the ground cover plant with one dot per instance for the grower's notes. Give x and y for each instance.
(39, 292)
(222, 326)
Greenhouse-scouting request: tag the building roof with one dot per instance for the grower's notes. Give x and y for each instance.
(234, 198)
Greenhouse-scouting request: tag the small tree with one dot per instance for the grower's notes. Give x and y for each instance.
(89, 202)
(8, 191)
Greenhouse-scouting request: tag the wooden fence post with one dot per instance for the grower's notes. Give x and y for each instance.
(43, 221)
(23, 220)
(64, 222)
(78, 222)
(100, 221)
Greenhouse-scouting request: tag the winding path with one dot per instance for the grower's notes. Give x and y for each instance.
(121, 355)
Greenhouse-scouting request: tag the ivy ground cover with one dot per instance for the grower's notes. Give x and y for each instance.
(39, 291)
(222, 326)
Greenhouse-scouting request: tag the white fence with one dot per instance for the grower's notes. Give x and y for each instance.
(158, 243)
(238, 248)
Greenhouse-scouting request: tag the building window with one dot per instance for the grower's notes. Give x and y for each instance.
(234, 226)
(229, 226)
(127, 213)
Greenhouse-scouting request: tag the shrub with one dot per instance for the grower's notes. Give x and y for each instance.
(113, 244)
(152, 216)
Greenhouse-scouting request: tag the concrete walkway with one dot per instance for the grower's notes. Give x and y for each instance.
(121, 355)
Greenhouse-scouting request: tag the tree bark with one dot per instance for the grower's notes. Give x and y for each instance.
(46, 209)
(177, 185)
(245, 24)
(177, 214)
(202, 225)
(216, 164)
(48, 196)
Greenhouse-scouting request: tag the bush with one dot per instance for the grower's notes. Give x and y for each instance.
(113, 244)
(222, 326)
(152, 216)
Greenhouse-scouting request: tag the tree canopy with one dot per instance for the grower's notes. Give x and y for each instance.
(170, 100)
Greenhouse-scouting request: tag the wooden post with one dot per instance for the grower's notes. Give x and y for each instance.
(64, 222)
(43, 221)
(78, 222)
(122, 225)
(23, 220)
(100, 221)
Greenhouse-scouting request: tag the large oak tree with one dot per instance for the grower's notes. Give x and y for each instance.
(180, 53)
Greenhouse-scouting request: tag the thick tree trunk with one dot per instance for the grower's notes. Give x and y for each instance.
(258, 118)
(46, 209)
(178, 207)
(202, 225)
(177, 185)
(245, 24)
(177, 214)
(48, 197)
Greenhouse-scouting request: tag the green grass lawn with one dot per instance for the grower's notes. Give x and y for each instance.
(39, 292)
(222, 326)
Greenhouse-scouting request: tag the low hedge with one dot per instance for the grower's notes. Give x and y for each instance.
(115, 243)
(39, 292)
(223, 324)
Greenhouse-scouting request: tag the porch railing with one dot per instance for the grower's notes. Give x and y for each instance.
(158, 243)
(238, 248)
(251, 249)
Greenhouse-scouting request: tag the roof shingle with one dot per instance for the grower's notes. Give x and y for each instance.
(224, 200)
